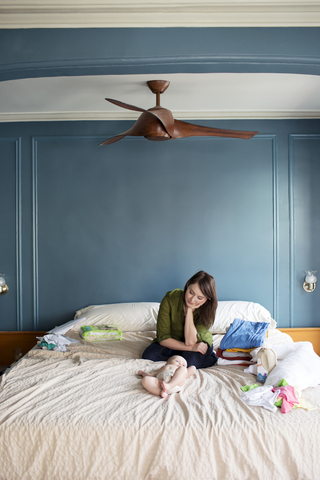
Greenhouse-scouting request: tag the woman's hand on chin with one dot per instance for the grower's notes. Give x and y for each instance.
(201, 347)
(189, 309)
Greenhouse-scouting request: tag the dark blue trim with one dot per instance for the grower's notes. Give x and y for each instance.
(30, 53)
(170, 64)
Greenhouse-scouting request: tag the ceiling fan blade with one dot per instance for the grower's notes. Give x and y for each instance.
(162, 114)
(184, 129)
(148, 124)
(166, 118)
(113, 139)
(125, 105)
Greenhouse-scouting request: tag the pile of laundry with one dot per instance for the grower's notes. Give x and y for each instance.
(291, 368)
(56, 342)
(283, 396)
(242, 338)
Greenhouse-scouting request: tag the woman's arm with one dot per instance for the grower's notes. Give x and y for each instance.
(190, 331)
(177, 345)
(164, 320)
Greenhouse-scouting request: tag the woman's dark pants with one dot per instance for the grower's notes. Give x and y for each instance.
(158, 353)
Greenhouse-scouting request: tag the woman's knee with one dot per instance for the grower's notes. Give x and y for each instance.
(193, 358)
(156, 353)
(149, 353)
(199, 360)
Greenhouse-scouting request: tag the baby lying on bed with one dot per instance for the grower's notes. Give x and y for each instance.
(168, 379)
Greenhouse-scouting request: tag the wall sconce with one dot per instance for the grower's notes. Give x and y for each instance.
(310, 280)
(3, 287)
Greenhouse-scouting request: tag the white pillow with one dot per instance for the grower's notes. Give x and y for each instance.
(64, 328)
(227, 311)
(129, 317)
(300, 367)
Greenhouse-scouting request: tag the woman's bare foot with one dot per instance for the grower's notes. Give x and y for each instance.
(164, 389)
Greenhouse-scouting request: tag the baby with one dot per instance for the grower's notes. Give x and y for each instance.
(168, 379)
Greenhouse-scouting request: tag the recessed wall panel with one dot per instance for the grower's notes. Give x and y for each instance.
(10, 318)
(305, 164)
(130, 221)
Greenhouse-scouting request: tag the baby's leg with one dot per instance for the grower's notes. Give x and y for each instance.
(178, 378)
(142, 373)
(191, 371)
(152, 385)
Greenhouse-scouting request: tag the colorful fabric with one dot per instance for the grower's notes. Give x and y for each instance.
(261, 397)
(246, 350)
(288, 396)
(247, 388)
(235, 356)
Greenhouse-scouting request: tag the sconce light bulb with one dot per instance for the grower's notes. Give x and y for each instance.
(310, 280)
(2, 280)
(310, 277)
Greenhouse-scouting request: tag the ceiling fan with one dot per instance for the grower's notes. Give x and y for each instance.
(157, 123)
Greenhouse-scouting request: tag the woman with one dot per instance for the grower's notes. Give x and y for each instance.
(184, 319)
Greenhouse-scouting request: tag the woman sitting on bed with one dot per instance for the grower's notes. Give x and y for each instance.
(184, 319)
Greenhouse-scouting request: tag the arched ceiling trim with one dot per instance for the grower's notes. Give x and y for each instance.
(156, 65)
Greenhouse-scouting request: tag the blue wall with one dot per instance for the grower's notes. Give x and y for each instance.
(84, 224)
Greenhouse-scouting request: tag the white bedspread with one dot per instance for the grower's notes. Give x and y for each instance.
(83, 415)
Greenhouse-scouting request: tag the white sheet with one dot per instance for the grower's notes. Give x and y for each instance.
(84, 415)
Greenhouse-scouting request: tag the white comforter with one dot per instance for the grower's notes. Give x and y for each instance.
(83, 415)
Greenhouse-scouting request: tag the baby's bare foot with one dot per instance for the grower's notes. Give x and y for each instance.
(164, 389)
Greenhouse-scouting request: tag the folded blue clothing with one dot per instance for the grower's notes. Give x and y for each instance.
(244, 334)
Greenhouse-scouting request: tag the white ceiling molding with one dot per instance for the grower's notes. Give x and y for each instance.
(89, 116)
(153, 13)
(208, 96)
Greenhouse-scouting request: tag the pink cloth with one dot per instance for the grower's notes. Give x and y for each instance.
(288, 396)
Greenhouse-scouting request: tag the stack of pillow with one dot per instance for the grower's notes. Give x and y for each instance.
(142, 317)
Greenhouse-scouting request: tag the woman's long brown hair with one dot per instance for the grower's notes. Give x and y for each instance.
(207, 285)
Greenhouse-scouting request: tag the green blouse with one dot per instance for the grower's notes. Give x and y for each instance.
(170, 322)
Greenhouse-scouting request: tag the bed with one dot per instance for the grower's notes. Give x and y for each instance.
(82, 414)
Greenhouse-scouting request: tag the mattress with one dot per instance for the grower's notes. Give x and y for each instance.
(84, 415)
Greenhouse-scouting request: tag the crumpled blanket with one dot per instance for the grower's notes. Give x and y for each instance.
(56, 342)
